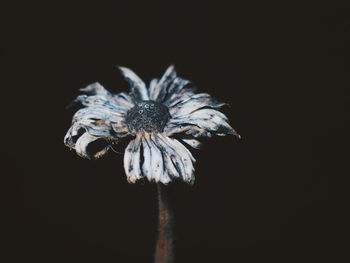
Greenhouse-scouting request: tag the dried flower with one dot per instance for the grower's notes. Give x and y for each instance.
(151, 116)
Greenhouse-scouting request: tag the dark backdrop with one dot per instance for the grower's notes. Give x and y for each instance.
(283, 67)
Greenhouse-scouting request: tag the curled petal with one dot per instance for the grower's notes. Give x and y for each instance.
(93, 123)
(101, 121)
(78, 138)
(73, 132)
(138, 87)
(84, 141)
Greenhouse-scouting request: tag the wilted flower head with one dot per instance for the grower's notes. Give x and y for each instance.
(151, 117)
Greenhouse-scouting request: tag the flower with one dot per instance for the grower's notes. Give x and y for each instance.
(151, 116)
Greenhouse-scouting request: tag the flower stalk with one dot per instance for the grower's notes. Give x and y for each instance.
(164, 246)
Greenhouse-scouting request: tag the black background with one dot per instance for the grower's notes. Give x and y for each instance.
(283, 67)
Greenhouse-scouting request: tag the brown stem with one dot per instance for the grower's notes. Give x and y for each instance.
(164, 247)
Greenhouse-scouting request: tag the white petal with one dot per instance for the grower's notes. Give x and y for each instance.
(160, 87)
(153, 89)
(132, 160)
(182, 157)
(207, 114)
(74, 130)
(169, 73)
(156, 171)
(168, 156)
(193, 96)
(174, 90)
(123, 100)
(173, 128)
(193, 143)
(155, 161)
(146, 166)
(201, 123)
(192, 104)
(137, 85)
(179, 95)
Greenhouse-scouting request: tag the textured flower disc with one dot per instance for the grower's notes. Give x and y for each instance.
(150, 117)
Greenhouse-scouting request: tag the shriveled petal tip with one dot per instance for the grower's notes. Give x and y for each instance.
(96, 89)
(138, 87)
(234, 133)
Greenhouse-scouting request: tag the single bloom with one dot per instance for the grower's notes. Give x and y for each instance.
(151, 116)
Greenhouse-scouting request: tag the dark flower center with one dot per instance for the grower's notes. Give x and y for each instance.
(147, 116)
